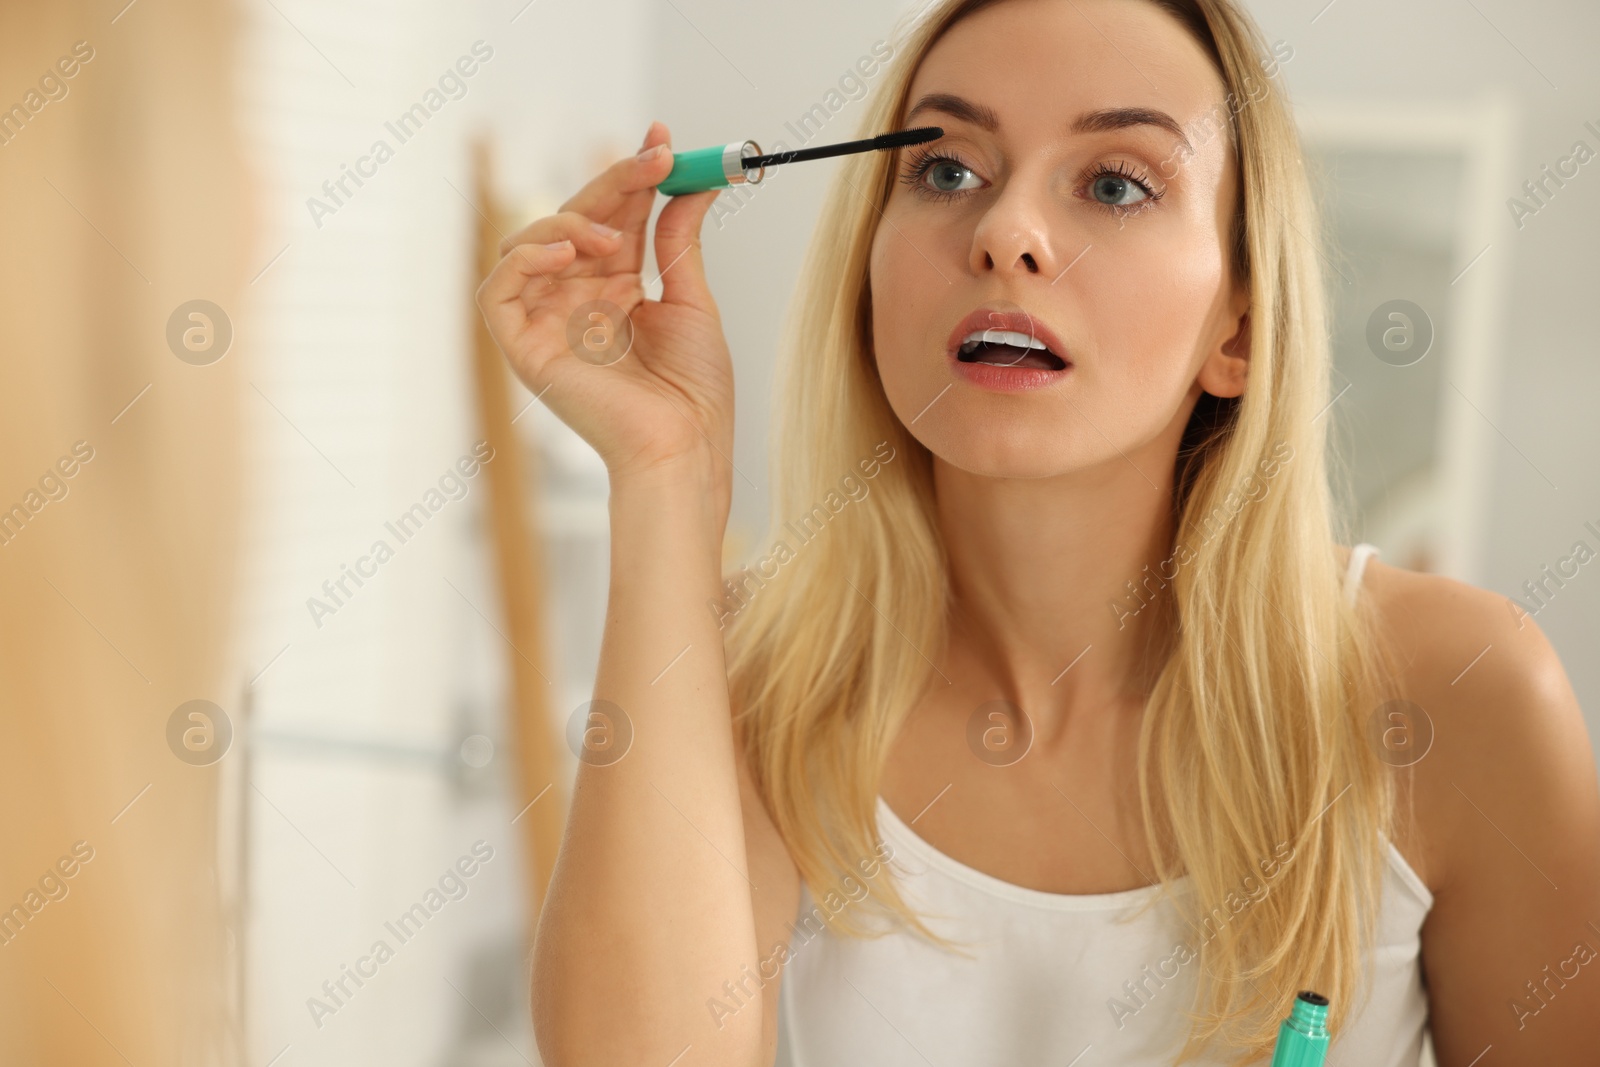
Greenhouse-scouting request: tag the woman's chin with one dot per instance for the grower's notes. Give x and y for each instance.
(1008, 459)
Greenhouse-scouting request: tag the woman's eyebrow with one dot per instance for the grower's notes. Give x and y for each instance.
(957, 107)
(1118, 118)
(1111, 118)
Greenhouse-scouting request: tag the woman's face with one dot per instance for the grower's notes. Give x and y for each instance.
(1057, 195)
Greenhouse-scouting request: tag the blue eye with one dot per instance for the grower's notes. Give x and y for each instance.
(1111, 187)
(950, 178)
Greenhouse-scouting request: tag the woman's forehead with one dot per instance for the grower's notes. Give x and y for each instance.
(1048, 62)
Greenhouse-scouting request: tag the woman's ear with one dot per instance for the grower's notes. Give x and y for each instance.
(1225, 370)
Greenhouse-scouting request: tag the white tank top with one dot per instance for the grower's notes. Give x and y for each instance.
(1053, 979)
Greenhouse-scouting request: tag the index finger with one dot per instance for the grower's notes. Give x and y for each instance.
(625, 187)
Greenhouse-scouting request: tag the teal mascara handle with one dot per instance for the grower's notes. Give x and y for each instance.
(712, 168)
(1303, 1036)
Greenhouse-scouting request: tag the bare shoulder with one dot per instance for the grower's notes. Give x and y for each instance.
(1508, 821)
(1492, 691)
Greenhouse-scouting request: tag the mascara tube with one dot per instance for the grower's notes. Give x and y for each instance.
(712, 168)
(1303, 1036)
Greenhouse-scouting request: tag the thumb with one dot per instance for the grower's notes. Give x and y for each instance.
(678, 253)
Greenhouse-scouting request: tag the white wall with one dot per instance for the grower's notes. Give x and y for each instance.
(360, 401)
(1544, 402)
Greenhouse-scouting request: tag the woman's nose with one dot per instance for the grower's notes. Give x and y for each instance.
(1012, 236)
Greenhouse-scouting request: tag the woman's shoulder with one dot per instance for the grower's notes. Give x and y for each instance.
(1469, 647)
(1490, 707)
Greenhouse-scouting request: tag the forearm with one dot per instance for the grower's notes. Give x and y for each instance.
(649, 906)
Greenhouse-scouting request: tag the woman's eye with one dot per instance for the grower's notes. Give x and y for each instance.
(948, 176)
(1114, 190)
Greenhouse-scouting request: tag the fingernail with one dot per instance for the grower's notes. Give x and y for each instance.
(652, 153)
(558, 244)
(603, 230)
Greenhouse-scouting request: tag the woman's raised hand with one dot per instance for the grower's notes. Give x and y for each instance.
(645, 382)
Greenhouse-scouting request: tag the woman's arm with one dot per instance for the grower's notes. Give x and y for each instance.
(777, 903)
(650, 907)
(1508, 793)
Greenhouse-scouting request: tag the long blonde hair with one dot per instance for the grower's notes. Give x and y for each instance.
(119, 534)
(1258, 719)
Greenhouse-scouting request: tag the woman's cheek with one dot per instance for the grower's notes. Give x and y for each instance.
(1163, 321)
(903, 318)
(903, 379)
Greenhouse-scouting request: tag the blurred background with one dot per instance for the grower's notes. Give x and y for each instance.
(241, 354)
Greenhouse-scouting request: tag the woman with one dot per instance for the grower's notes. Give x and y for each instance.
(1053, 578)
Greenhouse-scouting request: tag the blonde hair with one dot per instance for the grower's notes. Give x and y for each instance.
(1257, 720)
(119, 918)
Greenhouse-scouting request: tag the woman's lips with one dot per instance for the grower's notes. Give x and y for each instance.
(1033, 369)
(990, 319)
(1008, 379)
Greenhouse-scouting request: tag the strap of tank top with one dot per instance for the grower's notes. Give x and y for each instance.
(1358, 565)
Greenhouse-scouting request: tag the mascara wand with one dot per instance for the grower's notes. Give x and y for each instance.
(732, 164)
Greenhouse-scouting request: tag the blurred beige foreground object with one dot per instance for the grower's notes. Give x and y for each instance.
(124, 197)
(537, 794)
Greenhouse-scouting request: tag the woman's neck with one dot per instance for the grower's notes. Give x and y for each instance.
(1042, 611)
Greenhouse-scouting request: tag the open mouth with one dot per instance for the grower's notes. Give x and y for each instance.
(1008, 348)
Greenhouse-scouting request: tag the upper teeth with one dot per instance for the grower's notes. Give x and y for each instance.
(1001, 337)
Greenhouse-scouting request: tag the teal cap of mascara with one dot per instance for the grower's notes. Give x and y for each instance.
(1303, 1036)
(712, 168)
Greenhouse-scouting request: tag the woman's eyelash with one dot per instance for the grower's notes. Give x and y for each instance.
(1128, 173)
(924, 160)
